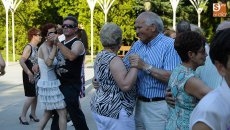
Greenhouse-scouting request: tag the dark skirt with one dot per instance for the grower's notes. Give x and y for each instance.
(29, 88)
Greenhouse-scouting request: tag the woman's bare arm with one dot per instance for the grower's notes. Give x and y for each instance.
(124, 79)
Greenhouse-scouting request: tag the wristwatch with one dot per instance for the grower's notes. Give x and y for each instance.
(148, 69)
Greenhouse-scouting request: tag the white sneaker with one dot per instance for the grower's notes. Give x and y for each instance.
(70, 123)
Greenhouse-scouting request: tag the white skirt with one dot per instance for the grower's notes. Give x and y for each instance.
(49, 95)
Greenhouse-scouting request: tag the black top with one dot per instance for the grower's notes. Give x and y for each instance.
(69, 72)
(29, 87)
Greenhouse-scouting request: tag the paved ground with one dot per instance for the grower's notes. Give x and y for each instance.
(12, 98)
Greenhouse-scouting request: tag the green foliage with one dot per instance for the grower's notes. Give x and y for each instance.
(10, 56)
(125, 19)
(25, 18)
(48, 13)
(34, 13)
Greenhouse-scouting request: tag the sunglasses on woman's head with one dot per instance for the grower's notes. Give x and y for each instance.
(68, 26)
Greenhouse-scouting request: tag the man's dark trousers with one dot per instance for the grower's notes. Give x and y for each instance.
(71, 93)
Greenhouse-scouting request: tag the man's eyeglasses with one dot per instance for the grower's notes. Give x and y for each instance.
(55, 32)
(68, 26)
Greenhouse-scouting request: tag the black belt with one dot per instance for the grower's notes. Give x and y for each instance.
(144, 99)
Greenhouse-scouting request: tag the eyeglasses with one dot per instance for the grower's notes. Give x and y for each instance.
(55, 32)
(68, 26)
(38, 34)
(202, 51)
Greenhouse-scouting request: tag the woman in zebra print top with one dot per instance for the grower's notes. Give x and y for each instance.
(114, 100)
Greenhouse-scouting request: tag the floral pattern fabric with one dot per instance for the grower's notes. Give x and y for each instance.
(179, 116)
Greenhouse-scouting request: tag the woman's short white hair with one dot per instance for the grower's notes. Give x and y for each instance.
(110, 35)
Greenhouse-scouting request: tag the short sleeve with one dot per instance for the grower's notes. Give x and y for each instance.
(171, 58)
(200, 114)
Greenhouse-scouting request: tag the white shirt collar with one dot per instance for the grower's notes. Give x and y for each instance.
(69, 40)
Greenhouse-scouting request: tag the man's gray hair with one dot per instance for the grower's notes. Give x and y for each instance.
(183, 26)
(153, 18)
(197, 29)
(223, 25)
(110, 35)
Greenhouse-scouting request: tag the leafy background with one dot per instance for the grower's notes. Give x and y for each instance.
(34, 13)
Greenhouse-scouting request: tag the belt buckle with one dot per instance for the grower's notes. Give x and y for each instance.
(151, 99)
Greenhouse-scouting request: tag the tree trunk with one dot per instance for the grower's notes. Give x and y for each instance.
(91, 26)
(198, 19)
(174, 18)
